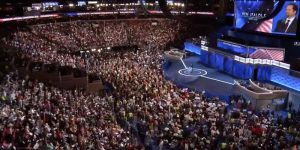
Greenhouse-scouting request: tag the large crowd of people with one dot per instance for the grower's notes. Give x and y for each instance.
(108, 33)
(35, 116)
(46, 42)
(142, 110)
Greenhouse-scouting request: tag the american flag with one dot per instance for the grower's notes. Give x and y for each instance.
(265, 53)
(265, 26)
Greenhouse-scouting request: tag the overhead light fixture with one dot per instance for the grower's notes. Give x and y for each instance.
(92, 2)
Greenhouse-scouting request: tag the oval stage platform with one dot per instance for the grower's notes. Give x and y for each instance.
(200, 78)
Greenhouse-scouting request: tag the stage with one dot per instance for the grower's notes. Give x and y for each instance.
(201, 78)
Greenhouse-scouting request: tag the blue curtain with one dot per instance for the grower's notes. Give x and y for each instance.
(204, 57)
(238, 70)
(220, 62)
(212, 59)
(264, 73)
(228, 62)
(248, 71)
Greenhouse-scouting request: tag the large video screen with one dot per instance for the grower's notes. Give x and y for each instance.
(255, 15)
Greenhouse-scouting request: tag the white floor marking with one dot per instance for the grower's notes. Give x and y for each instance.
(183, 63)
(202, 75)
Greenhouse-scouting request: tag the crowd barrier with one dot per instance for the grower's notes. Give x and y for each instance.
(261, 97)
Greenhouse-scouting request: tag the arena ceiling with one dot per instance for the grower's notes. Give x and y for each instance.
(219, 7)
(195, 3)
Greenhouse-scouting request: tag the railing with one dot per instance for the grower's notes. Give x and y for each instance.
(260, 94)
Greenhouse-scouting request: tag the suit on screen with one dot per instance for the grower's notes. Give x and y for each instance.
(281, 26)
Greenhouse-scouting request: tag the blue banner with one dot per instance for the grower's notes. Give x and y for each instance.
(233, 47)
(191, 47)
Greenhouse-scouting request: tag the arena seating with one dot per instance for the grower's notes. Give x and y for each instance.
(140, 109)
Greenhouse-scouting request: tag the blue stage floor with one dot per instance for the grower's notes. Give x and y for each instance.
(211, 72)
(212, 81)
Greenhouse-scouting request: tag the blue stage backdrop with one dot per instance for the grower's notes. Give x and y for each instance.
(228, 62)
(238, 70)
(249, 70)
(191, 47)
(228, 65)
(231, 47)
(264, 73)
(212, 60)
(204, 57)
(220, 62)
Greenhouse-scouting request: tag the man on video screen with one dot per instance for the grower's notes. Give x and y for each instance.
(288, 24)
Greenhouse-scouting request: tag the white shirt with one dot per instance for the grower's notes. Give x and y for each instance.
(291, 20)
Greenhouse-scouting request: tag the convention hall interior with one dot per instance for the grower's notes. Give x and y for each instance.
(149, 75)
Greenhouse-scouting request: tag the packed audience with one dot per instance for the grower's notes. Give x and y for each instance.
(169, 118)
(94, 34)
(142, 109)
(268, 86)
(247, 85)
(36, 116)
